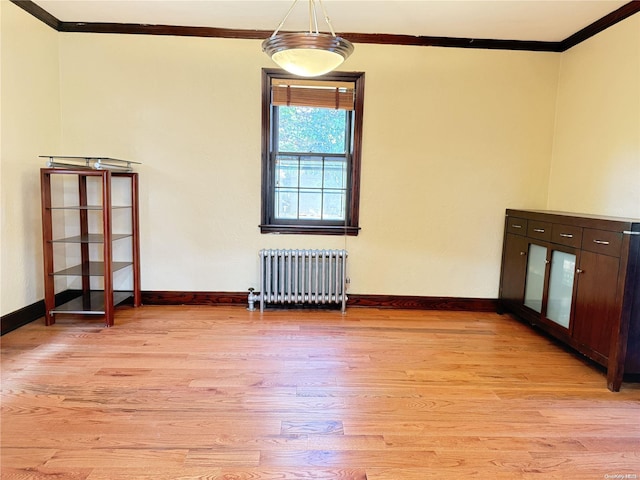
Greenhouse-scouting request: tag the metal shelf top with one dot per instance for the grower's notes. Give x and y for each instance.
(89, 163)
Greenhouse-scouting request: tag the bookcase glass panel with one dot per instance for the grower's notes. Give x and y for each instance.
(534, 286)
(563, 267)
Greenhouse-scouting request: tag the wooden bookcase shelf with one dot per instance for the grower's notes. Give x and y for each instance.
(92, 237)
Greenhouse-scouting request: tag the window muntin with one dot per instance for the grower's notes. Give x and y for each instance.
(311, 153)
(310, 187)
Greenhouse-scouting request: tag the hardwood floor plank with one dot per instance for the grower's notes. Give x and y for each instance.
(313, 427)
(339, 458)
(152, 473)
(116, 458)
(293, 474)
(204, 473)
(483, 443)
(26, 457)
(177, 392)
(43, 473)
(603, 444)
(609, 464)
(222, 458)
(492, 426)
(347, 442)
(498, 472)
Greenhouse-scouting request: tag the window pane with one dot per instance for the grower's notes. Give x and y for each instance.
(286, 203)
(308, 129)
(335, 174)
(310, 204)
(286, 172)
(333, 206)
(311, 172)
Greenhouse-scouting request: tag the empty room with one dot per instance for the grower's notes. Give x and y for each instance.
(350, 240)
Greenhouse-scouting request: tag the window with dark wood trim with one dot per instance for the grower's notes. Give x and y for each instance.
(311, 149)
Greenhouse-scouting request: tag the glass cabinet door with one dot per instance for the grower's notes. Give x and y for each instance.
(563, 267)
(534, 286)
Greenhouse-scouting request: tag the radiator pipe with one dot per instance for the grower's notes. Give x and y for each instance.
(252, 298)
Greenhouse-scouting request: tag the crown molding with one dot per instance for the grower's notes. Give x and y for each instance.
(38, 12)
(598, 26)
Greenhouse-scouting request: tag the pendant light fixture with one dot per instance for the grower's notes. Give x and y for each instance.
(307, 54)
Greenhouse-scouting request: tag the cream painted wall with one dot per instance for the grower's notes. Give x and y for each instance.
(30, 126)
(596, 155)
(451, 138)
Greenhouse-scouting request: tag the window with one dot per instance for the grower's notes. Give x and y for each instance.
(311, 142)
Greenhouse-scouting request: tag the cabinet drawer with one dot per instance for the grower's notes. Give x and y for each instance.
(566, 235)
(602, 241)
(539, 230)
(517, 225)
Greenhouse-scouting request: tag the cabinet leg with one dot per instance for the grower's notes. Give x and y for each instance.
(614, 379)
(614, 386)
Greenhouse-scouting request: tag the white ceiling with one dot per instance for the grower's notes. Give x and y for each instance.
(541, 20)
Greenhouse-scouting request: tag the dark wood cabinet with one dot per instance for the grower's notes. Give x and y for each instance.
(515, 265)
(577, 277)
(596, 306)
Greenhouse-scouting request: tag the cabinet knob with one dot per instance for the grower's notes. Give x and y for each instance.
(523, 253)
(579, 270)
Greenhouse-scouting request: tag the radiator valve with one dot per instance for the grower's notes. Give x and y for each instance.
(252, 299)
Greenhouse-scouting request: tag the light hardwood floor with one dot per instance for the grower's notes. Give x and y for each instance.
(223, 393)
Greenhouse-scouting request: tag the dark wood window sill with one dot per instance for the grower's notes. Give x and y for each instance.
(310, 229)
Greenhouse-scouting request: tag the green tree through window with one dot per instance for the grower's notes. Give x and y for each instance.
(308, 129)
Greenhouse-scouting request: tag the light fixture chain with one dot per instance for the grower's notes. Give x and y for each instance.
(326, 18)
(313, 17)
(275, 32)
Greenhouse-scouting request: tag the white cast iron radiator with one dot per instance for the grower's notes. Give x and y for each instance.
(302, 276)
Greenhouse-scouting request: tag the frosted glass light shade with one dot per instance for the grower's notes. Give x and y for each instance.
(307, 62)
(307, 54)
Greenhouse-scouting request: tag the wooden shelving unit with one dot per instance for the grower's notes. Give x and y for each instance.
(89, 217)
